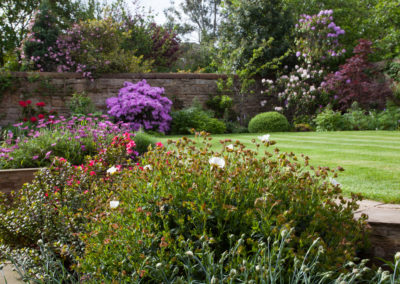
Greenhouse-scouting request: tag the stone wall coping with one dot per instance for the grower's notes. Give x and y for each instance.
(19, 170)
(70, 75)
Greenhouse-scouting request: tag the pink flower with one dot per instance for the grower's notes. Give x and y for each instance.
(159, 144)
(92, 173)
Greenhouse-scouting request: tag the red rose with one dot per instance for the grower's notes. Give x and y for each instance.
(40, 104)
(25, 119)
(40, 116)
(33, 119)
(22, 103)
(28, 102)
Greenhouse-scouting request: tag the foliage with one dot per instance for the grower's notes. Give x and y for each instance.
(354, 81)
(201, 17)
(143, 141)
(246, 26)
(389, 119)
(45, 219)
(235, 127)
(268, 122)
(359, 119)
(220, 104)
(183, 121)
(142, 106)
(393, 70)
(303, 127)
(81, 104)
(6, 81)
(72, 139)
(317, 38)
(91, 48)
(317, 46)
(187, 192)
(330, 120)
(41, 38)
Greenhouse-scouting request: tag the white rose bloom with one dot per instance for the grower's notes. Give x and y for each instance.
(218, 162)
(148, 167)
(114, 204)
(112, 170)
(264, 138)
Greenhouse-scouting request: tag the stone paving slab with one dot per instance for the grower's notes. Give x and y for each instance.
(9, 276)
(379, 212)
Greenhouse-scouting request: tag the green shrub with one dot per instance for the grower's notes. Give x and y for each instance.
(329, 120)
(81, 104)
(234, 127)
(184, 195)
(143, 141)
(195, 118)
(221, 105)
(359, 119)
(389, 119)
(268, 122)
(303, 127)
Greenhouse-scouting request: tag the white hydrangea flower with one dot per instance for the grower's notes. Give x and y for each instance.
(217, 161)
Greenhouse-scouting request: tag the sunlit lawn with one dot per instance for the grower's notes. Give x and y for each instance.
(371, 159)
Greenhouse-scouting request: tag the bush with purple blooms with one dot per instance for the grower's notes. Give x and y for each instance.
(317, 43)
(317, 38)
(142, 106)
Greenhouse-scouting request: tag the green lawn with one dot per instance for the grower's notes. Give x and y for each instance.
(371, 159)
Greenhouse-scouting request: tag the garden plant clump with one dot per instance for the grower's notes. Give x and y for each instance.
(142, 106)
(72, 139)
(182, 211)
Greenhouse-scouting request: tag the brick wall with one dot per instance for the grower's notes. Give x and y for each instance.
(56, 89)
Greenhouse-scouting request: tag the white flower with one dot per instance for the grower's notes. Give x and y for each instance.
(397, 256)
(189, 253)
(216, 161)
(148, 167)
(230, 147)
(334, 182)
(159, 265)
(278, 108)
(114, 204)
(264, 138)
(112, 170)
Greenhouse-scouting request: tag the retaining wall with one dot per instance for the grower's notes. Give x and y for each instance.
(56, 90)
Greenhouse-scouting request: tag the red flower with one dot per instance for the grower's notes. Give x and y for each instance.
(22, 103)
(33, 119)
(25, 119)
(40, 116)
(28, 102)
(40, 104)
(92, 173)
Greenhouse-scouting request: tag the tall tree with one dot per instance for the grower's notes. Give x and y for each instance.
(202, 16)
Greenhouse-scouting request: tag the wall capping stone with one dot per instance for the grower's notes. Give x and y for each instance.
(66, 75)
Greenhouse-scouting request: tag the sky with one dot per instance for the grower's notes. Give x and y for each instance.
(158, 7)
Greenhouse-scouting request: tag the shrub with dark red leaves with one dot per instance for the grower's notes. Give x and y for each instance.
(358, 81)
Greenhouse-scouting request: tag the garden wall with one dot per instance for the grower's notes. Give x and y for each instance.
(56, 89)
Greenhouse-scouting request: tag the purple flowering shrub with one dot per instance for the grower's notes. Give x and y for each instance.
(317, 38)
(356, 81)
(142, 106)
(299, 91)
(90, 48)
